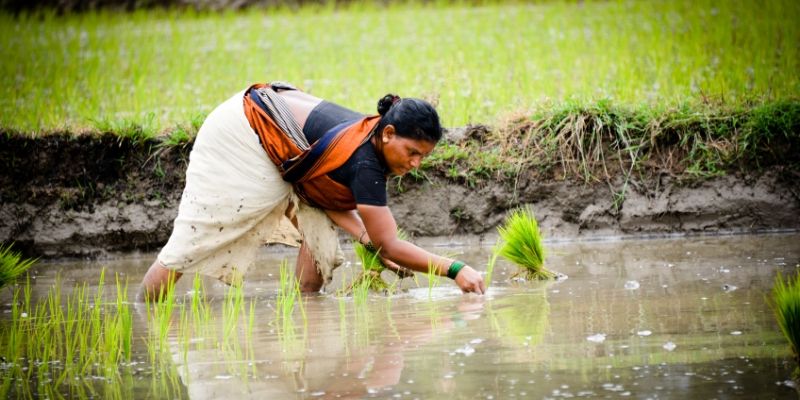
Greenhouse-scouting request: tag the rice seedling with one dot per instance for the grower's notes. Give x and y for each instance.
(360, 291)
(232, 307)
(433, 279)
(251, 322)
(288, 299)
(53, 346)
(370, 278)
(81, 344)
(160, 314)
(200, 308)
(12, 265)
(522, 245)
(289, 295)
(491, 263)
(785, 302)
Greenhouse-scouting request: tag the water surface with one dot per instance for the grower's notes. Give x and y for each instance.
(656, 318)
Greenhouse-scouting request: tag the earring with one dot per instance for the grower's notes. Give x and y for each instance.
(385, 140)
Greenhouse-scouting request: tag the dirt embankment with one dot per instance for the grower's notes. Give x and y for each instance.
(66, 195)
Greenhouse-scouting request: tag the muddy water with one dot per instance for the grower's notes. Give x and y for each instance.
(657, 318)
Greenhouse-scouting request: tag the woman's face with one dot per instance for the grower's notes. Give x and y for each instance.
(403, 154)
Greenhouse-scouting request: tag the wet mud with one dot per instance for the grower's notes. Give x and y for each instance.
(64, 195)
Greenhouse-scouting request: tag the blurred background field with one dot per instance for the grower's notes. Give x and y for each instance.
(161, 69)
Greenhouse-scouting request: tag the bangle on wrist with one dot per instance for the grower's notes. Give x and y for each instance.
(454, 269)
(361, 236)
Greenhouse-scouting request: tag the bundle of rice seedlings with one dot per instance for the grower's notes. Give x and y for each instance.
(372, 268)
(12, 265)
(786, 303)
(522, 245)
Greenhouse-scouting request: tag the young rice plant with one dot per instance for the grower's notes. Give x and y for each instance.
(372, 268)
(522, 244)
(786, 303)
(12, 265)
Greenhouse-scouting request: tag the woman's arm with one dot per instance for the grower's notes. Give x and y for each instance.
(352, 224)
(382, 230)
(347, 220)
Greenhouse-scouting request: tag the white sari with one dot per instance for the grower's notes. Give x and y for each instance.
(235, 201)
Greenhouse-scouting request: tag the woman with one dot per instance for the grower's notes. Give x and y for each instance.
(272, 155)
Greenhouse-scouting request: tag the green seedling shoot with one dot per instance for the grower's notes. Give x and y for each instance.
(786, 303)
(12, 265)
(522, 245)
(372, 268)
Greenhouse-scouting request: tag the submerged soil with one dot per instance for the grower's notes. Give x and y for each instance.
(91, 195)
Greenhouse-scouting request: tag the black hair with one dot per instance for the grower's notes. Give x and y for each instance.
(411, 118)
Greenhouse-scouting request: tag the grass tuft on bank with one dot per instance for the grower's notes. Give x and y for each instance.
(599, 142)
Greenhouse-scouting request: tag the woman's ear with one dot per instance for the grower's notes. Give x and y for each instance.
(388, 133)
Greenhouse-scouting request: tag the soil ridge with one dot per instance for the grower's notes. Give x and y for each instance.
(66, 195)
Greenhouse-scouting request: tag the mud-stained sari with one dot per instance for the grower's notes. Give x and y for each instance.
(236, 199)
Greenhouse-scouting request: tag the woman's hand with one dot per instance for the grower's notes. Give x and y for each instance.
(470, 281)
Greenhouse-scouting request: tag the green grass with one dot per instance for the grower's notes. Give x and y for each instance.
(12, 265)
(54, 344)
(370, 277)
(786, 303)
(81, 342)
(490, 264)
(522, 244)
(289, 298)
(598, 142)
(150, 71)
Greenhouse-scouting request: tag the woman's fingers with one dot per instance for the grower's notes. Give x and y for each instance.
(470, 281)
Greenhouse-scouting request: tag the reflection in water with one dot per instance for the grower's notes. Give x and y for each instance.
(519, 340)
(521, 318)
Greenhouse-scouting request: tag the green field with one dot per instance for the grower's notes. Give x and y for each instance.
(488, 64)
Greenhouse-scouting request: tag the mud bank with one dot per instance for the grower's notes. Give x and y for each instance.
(88, 196)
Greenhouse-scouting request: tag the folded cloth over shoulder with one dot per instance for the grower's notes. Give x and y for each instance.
(235, 200)
(305, 167)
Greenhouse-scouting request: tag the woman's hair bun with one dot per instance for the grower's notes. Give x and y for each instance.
(386, 102)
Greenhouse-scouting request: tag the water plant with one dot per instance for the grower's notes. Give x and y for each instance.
(433, 279)
(288, 299)
(786, 303)
(370, 278)
(12, 265)
(491, 263)
(289, 295)
(54, 345)
(522, 244)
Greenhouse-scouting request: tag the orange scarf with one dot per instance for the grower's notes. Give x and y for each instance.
(314, 186)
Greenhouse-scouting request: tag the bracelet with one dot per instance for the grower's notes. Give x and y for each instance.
(454, 269)
(361, 236)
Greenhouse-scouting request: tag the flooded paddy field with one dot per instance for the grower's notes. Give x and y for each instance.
(637, 318)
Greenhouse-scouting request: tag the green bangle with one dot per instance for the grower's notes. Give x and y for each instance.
(454, 269)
